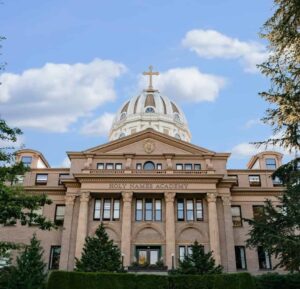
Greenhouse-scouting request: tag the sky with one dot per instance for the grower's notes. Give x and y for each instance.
(71, 64)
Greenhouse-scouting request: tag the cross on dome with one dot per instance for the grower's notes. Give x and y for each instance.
(150, 73)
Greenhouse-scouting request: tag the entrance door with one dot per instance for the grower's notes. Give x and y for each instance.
(148, 255)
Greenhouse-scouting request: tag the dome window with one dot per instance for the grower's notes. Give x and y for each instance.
(177, 117)
(149, 109)
(122, 134)
(123, 115)
(149, 166)
(177, 136)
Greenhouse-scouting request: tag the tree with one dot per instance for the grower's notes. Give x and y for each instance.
(277, 229)
(282, 31)
(198, 262)
(30, 271)
(15, 204)
(99, 254)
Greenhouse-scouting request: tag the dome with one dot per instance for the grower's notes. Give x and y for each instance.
(150, 109)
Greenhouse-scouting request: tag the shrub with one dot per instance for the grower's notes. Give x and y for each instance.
(276, 281)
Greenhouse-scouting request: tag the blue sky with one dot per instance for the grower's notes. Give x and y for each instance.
(205, 50)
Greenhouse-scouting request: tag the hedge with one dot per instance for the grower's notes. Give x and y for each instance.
(80, 280)
(276, 281)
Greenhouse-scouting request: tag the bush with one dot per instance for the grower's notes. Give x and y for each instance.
(276, 281)
(82, 280)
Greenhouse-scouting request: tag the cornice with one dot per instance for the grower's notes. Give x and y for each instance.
(41, 190)
(264, 190)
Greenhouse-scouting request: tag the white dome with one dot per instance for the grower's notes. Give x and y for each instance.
(150, 109)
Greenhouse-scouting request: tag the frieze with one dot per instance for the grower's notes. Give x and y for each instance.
(148, 186)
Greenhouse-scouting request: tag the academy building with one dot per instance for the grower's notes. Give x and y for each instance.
(154, 190)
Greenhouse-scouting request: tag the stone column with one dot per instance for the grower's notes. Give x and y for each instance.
(229, 233)
(82, 223)
(170, 228)
(126, 228)
(66, 233)
(214, 237)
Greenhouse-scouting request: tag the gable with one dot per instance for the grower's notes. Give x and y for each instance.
(149, 142)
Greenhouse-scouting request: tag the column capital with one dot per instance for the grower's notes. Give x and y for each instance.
(85, 197)
(127, 196)
(169, 197)
(211, 197)
(70, 199)
(226, 200)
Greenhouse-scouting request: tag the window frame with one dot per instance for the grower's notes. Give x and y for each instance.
(102, 165)
(109, 164)
(180, 201)
(95, 203)
(195, 167)
(139, 210)
(273, 165)
(120, 165)
(37, 182)
(189, 210)
(116, 210)
(254, 183)
(148, 210)
(267, 257)
(149, 163)
(50, 267)
(104, 210)
(26, 164)
(240, 216)
(157, 210)
(179, 165)
(159, 166)
(257, 206)
(138, 166)
(59, 222)
(188, 167)
(197, 201)
(241, 261)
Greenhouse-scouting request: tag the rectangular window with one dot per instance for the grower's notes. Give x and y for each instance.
(254, 180)
(189, 250)
(240, 257)
(54, 258)
(199, 210)
(26, 161)
(180, 210)
(116, 215)
(277, 181)
(158, 214)
(97, 209)
(148, 210)
(189, 210)
(59, 215)
(138, 166)
(139, 210)
(106, 209)
(264, 259)
(197, 167)
(159, 166)
(118, 166)
(181, 253)
(258, 212)
(236, 216)
(61, 176)
(100, 166)
(188, 167)
(109, 166)
(41, 179)
(179, 167)
(271, 164)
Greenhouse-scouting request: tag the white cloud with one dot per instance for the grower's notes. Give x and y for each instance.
(213, 44)
(99, 126)
(243, 150)
(253, 122)
(54, 96)
(66, 163)
(188, 84)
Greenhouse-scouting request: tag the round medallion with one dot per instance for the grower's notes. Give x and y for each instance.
(149, 146)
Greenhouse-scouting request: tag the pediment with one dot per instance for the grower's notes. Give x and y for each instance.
(149, 142)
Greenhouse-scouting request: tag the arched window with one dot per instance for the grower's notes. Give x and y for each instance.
(123, 115)
(149, 109)
(177, 136)
(149, 166)
(176, 117)
(122, 134)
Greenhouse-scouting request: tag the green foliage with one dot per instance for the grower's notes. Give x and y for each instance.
(277, 230)
(82, 280)
(15, 205)
(29, 272)
(276, 281)
(99, 254)
(283, 69)
(198, 262)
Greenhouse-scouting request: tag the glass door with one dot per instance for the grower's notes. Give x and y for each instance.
(147, 255)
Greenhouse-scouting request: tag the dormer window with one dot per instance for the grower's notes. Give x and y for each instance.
(122, 134)
(271, 164)
(26, 160)
(149, 109)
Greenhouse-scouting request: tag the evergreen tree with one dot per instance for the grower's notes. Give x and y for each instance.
(29, 272)
(99, 254)
(198, 262)
(282, 67)
(277, 229)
